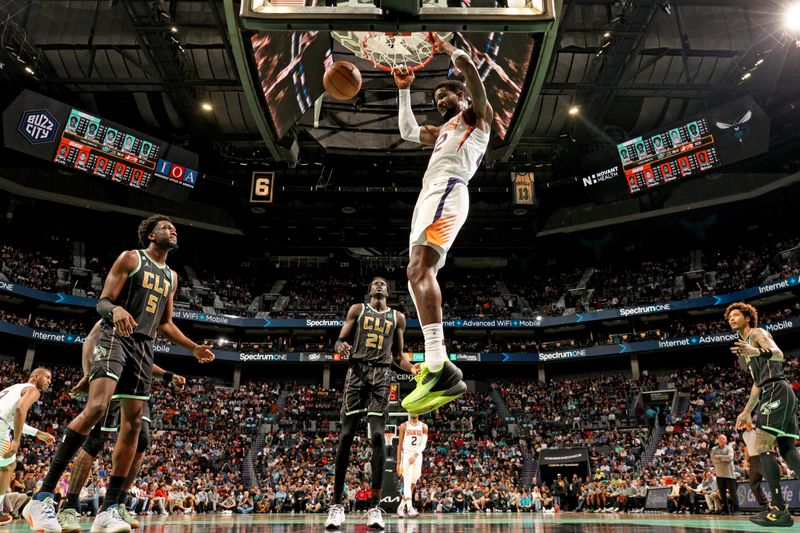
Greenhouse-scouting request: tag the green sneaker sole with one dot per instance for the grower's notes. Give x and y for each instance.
(436, 400)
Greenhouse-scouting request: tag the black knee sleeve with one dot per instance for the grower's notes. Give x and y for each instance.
(144, 437)
(789, 453)
(93, 445)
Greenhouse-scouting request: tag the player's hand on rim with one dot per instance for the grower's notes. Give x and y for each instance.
(123, 321)
(440, 46)
(203, 353)
(403, 77)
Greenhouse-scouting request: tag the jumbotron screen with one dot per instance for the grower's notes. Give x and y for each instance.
(290, 67)
(669, 155)
(723, 135)
(51, 130)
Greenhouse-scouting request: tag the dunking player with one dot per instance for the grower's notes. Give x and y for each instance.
(136, 302)
(776, 403)
(414, 437)
(15, 401)
(82, 465)
(378, 342)
(441, 210)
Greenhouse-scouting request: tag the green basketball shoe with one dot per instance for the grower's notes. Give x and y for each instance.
(434, 389)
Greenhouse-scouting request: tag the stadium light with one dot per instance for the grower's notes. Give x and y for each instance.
(206, 106)
(791, 20)
(574, 110)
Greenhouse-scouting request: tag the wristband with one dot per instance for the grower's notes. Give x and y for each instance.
(29, 430)
(168, 376)
(458, 53)
(766, 353)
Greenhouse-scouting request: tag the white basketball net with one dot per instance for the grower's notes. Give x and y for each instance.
(388, 51)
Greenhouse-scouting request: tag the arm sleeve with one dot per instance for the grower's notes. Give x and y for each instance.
(409, 129)
(423, 441)
(29, 430)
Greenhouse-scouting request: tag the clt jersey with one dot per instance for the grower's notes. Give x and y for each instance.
(763, 369)
(412, 440)
(145, 294)
(9, 398)
(374, 336)
(458, 151)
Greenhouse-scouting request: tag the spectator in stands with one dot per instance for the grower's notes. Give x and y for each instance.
(723, 459)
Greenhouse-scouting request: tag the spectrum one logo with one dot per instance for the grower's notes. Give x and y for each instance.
(38, 126)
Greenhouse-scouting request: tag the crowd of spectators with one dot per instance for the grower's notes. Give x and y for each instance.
(203, 441)
(493, 294)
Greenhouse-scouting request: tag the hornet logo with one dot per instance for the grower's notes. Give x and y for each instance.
(766, 409)
(738, 129)
(700, 228)
(598, 245)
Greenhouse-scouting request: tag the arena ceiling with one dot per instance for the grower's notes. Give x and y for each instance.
(628, 65)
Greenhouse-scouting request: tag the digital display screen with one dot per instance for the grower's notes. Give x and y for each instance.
(667, 156)
(290, 67)
(732, 132)
(89, 145)
(51, 130)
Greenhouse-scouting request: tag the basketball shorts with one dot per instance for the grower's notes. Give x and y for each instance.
(412, 469)
(366, 390)
(110, 423)
(441, 210)
(126, 360)
(777, 410)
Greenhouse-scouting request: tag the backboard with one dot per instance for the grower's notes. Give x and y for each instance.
(434, 15)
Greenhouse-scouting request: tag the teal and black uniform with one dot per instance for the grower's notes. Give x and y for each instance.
(777, 403)
(369, 378)
(129, 360)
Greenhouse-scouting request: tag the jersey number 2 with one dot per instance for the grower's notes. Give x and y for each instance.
(414, 440)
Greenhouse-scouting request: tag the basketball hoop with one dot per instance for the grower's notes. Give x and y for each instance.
(389, 51)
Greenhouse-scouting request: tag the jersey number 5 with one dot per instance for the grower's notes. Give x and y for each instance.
(374, 341)
(152, 303)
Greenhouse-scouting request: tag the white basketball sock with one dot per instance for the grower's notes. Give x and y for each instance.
(435, 354)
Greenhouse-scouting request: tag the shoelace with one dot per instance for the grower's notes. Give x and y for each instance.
(48, 508)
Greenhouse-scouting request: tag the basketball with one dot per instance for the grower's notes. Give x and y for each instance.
(342, 81)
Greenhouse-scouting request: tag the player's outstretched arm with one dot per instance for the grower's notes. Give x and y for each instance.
(409, 129)
(122, 267)
(202, 352)
(342, 346)
(398, 356)
(477, 92)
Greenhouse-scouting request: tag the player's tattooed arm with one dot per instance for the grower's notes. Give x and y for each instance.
(122, 267)
(763, 345)
(342, 346)
(744, 419)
